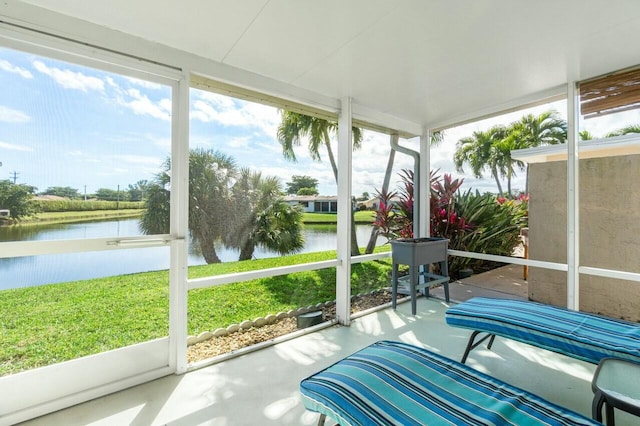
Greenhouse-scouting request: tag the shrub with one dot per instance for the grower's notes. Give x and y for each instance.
(496, 226)
(473, 222)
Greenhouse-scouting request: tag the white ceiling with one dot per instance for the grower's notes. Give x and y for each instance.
(426, 61)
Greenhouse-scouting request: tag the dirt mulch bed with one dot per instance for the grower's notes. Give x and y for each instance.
(243, 338)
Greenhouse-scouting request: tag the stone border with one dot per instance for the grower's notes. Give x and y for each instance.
(259, 322)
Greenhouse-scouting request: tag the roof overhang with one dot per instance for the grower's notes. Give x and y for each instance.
(405, 65)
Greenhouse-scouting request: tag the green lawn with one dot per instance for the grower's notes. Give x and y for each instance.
(366, 216)
(80, 216)
(57, 322)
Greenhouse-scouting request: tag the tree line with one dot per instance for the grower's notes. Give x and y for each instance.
(132, 192)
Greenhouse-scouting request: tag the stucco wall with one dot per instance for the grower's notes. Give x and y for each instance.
(609, 231)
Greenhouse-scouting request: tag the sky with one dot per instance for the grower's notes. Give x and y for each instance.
(67, 125)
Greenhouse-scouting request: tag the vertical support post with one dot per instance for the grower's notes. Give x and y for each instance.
(573, 199)
(179, 226)
(343, 271)
(425, 190)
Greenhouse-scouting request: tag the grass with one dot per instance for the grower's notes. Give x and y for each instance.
(52, 323)
(79, 216)
(366, 216)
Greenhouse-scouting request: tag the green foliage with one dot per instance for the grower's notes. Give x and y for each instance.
(302, 182)
(239, 208)
(18, 198)
(633, 128)
(490, 150)
(81, 205)
(471, 221)
(58, 322)
(495, 223)
(107, 194)
(54, 323)
(262, 217)
(62, 191)
(137, 191)
(294, 126)
(307, 191)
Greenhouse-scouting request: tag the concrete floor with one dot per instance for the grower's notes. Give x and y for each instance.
(506, 282)
(261, 388)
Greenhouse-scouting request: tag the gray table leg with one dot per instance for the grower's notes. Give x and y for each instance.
(394, 285)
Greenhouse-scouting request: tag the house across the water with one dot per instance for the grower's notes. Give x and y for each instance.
(314, 203)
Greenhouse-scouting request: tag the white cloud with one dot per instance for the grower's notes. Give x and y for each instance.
(140, 104)
(240, 142)
(7, 66)
(139, 159)
(144, 83)
(9, 115)
(211, 107)
(70, 79)
(14, 147)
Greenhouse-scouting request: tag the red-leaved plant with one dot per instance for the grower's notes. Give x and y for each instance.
(394, 216)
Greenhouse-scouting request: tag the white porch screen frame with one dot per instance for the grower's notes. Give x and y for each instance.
(42, 390)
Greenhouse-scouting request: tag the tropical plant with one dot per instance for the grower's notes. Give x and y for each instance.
(262, 217)
(211, 175)
(471, 221)
(241, 209)
(633, 128)
(318, 131)
(495, 222)
(529, 132)
(585, 135)
(137, 190)
(490, 150)
(544, 129)
(481, 152)
(436, 139)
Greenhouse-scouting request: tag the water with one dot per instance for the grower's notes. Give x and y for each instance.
(49, 269)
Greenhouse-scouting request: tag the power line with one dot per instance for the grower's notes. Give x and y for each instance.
(14, 175)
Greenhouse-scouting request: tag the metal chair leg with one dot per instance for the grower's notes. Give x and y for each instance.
(472, 344)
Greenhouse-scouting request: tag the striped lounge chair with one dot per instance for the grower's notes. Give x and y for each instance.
(580, 335)
(393, 383)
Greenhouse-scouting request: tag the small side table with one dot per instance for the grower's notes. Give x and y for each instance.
(616, 384)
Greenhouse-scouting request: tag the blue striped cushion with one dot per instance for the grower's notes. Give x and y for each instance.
(393, 383)
(581, 335)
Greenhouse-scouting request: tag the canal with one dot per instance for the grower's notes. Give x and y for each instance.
(48, 269)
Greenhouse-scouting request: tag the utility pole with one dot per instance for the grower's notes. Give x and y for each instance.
(14, 175)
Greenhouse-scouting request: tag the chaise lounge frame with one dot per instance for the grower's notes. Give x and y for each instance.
(580, 335)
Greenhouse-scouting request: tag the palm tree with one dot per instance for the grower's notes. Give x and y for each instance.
(585, 135)
(633, 128)
(211, 175)
(532, 131)
(262, 217)
(491, 149)
(318, 131)
(545, 129)
(481, 152)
